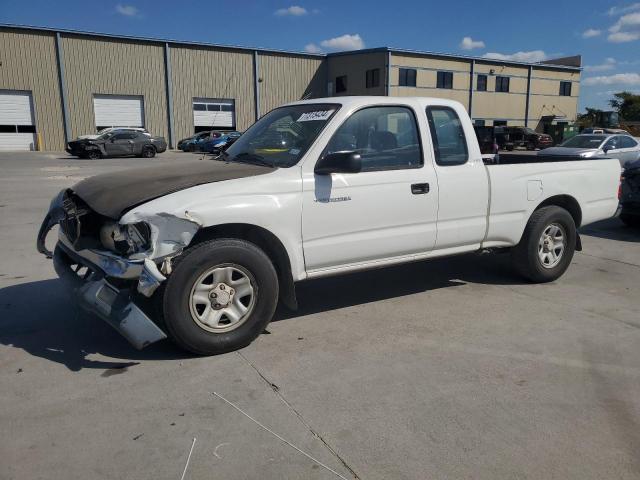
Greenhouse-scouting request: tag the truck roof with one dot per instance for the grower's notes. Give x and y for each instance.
(364, 100)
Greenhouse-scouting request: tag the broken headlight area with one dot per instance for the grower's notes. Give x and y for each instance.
(125, 239)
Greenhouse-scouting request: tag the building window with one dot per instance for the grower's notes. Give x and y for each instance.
(502, 84)
(481, 85)
(445, 80)
(373, 78)
(565, 89)
(499, 123)
(479, 123)
(407, 77)
(341, 84)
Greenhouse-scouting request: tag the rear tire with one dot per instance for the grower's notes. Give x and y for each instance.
(630, 220)
(547, 245)
(148, 152)
(234, 272)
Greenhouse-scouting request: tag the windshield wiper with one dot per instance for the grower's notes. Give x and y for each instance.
(250, 158)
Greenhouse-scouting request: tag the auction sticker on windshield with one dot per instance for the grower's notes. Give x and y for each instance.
(317, 115)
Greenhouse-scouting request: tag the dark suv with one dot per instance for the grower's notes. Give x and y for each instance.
(509, 138)
(630, 194)
(118, 143)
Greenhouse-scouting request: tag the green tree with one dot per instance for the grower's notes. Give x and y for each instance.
(627, 105)
(589, 118)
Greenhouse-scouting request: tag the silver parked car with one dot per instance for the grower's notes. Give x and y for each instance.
(623, 147)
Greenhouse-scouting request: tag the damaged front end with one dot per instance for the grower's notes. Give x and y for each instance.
(107, 263)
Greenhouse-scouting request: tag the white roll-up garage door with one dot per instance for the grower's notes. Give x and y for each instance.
(17, 129)
(118, 111)
(214, 113)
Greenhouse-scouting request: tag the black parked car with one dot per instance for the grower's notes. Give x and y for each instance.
(118, 143)
(630, 194)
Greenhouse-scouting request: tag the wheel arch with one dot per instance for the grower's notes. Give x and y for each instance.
(268, 242)
(569, 203)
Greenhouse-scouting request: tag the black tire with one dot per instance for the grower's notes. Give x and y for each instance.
(177, 318)
(190, 148)
(525, 255)
(148, 152)
(93, 155)
(531, 146)
(630, 220)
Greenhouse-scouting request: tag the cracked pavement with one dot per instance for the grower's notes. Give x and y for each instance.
(452, 368)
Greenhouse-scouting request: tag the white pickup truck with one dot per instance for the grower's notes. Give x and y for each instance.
(313, 188)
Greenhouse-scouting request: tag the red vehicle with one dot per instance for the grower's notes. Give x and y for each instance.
(510, 138)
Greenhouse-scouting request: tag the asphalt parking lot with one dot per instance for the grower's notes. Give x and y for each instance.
(452, 368)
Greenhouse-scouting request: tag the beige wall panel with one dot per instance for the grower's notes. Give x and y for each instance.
(211, 73)
(414, 61)
(541, 105)
(556, 74)
(29, 64)
(552, 87)
(113, 67)
(501, 69)
(459, 96)
(499, 105)
(287, 79)
(355, 67)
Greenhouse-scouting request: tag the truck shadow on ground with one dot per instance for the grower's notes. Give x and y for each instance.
(42, 318)
(612, 229)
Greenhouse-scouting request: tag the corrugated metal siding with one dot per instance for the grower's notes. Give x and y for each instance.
(287, 79)
(210, 73)
(29, 64)
(114, 67)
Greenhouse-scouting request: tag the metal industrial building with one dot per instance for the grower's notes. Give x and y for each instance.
(58, 84)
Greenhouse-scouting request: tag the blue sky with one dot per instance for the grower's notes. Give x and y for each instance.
(607, 34)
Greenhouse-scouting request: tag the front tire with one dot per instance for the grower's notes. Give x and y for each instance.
(547, 245)
(220, 296)
(94, 155)
(148, 152)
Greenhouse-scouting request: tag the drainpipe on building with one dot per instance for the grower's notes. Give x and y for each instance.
(471, 74)
(63, 92)
(256, 83)
(169, 84)
(526, 109)
(388, 83)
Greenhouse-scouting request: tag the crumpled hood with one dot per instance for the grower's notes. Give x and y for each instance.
(112, 194)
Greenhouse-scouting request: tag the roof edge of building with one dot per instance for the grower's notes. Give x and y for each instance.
(551, 63)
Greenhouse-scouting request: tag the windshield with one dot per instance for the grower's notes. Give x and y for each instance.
(529, 130)
(584, 141)
(282, 136)
(105, 136)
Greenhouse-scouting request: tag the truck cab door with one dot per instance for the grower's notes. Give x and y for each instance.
(462, 179)
(388, 210)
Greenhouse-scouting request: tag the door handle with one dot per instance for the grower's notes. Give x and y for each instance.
(419, 188)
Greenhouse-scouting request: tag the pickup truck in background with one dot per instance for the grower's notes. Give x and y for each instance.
(314, 188)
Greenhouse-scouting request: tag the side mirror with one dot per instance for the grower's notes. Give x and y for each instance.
(339, 162)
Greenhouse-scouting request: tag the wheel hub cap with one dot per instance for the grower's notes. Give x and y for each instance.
(551, 245)
(222, 298)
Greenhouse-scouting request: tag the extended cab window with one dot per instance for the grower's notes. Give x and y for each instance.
(447, 134)
(385, 137)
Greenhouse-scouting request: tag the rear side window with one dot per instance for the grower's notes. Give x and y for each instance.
(386, 138)
(447, 134)
(627, 142)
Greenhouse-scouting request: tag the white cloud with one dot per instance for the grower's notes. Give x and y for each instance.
(632, 79)
(626, 29)
(614, 11)
(608, 64)
(127, 10)
(591, 32)
(532, 56)
(344, 42)
(468, 43)
(293, 10)
(312, 48)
